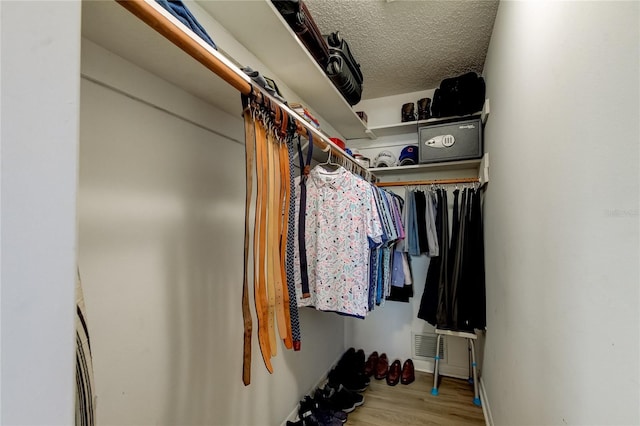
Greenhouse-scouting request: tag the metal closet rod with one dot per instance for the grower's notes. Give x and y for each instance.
(223, 68)
(428, 182)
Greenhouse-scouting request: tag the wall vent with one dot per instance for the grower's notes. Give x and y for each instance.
(424, 346)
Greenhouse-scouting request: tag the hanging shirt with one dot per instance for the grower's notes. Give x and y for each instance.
(341, 220)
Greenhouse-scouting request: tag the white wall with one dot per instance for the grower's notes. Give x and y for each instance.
(39, 141)
(161, 224)
(561, 214)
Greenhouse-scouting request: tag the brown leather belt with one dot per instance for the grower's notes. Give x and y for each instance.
(259, 246)
(267, 128)
(249, 136)
(272, 230)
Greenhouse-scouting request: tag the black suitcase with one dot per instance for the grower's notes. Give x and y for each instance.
(297, 15)
(460, 95)
(343, 69)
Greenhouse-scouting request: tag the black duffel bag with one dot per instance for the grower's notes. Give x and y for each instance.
(460, 95)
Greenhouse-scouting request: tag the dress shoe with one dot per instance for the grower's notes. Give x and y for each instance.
(393, 377)
(382, 367)
(370, 366)
(408, 372)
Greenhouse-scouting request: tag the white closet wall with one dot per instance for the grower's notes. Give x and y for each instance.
(161, 225)
(561, 214)
(39, 67)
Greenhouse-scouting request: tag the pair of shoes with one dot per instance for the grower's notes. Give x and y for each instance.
(338, 399)
(322, 406)
(405, 375)
(349, 371)
(352, 360)
(311, 414)
(382, 367)
(352, 381)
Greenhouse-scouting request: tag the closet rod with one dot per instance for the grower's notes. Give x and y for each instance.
(149, 12)
(428, 182)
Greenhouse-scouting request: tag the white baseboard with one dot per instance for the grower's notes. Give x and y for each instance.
(486, 410)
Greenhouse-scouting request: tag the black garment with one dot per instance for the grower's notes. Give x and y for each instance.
(433, 307)
(455, 295)
(455, 229)
(443, 314)
(472, 297)
(452, 268)
(421, 204)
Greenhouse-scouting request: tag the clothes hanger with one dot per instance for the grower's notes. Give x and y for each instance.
(329, 165)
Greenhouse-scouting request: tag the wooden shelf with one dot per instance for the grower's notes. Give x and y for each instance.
(271, 40)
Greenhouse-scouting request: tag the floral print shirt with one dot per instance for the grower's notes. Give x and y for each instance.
(340, 224)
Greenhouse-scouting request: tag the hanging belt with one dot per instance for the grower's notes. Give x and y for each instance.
(293, 305)
(273, 250)
(249, 135)
(304, 170)
(260, 290)
(285, 189)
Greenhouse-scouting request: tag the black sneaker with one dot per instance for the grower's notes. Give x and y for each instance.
(321, 412)
(341, 399)
(354, 382)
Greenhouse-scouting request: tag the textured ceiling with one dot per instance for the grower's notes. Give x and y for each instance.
(407, 46)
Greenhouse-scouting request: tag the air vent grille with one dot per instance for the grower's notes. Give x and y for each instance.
(424, 346)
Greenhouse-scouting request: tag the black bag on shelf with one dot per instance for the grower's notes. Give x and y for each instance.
(297, 15)
(460, 95)
(343, 69)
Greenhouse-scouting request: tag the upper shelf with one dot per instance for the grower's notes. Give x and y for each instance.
(432, 167)
(391, 175)
(271, 40)
(268, 37)
(412, 126)
(111, 26)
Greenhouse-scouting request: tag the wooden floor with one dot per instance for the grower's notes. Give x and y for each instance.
(414, 405)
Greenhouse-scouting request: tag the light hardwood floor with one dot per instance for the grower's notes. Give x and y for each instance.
(413, 404)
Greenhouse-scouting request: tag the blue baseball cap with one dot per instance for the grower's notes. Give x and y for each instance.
(409, 155)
